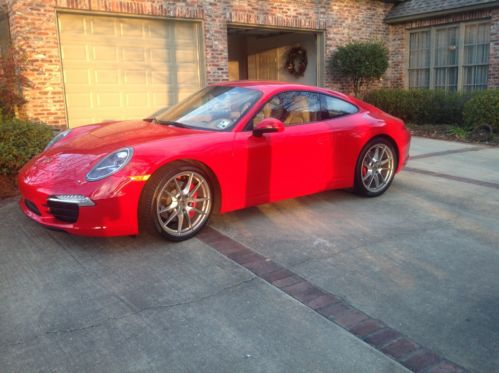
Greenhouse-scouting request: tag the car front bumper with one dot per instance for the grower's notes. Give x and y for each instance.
(92, 214)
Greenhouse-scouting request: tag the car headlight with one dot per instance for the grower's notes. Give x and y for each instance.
(57, 138)
(110, 164)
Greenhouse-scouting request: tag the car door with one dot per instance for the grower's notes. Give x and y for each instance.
(294, 162)
(345, 122)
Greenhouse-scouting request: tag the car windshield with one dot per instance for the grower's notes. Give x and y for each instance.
(216, 108)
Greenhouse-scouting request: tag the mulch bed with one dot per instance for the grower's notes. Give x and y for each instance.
(8, 187)
(444, 132)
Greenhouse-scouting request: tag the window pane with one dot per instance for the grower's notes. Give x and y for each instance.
(476, 56)
(272, 109)
(336, 108)
(477, 39)
(291, 108)
(419, 49)
(446, 78)
(452, 79)
(470, 34)
(469, 54)
(446, 58)
(419, 59)
(300, 107)
(446, 50)
(419, 78)
(475, 78)
(483, 33)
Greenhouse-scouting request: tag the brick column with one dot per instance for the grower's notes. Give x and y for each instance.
(33, 27)
(397, 50)
(215, 42)
(494, 50)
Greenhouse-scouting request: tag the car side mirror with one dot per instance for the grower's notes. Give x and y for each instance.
(268, 125)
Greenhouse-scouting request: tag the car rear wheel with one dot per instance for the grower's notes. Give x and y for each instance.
(375, 168)
(178, 202)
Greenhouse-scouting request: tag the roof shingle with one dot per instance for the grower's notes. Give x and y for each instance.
(415, 9)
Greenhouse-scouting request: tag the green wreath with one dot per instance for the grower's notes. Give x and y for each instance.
(297, 61)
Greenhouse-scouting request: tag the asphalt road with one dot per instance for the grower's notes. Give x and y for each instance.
(423, 260)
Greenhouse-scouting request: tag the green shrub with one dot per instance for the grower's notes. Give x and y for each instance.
(483, 108)
(361, 62)
(20, 140)
(421, 106)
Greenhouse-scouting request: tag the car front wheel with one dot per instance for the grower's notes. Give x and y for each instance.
(375, 168)
(178, 202)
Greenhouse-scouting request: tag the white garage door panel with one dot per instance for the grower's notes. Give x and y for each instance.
(126, 68)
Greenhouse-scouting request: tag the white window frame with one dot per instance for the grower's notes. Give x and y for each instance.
(460, 58)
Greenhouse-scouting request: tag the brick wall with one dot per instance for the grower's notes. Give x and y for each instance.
(34, 29)
(363, 21)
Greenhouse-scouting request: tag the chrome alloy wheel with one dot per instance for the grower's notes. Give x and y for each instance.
(184, 203)
(377, 167)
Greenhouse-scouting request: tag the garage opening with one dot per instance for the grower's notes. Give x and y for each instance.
(257, 53)
(118, 68)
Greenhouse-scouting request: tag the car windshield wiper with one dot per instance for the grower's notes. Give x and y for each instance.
(169, 122)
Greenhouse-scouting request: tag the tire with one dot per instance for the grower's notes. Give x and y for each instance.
(177, 202)
(375, 168)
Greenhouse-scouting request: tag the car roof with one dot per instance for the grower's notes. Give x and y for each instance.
(269, 86)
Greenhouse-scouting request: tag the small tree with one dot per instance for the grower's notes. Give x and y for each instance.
(13, 65)
(360, 62)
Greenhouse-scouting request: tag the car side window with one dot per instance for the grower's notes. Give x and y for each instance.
(292, 108)
(335, 107)
(271, 109)
(300, 107)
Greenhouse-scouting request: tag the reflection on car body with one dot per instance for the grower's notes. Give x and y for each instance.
(226, 147)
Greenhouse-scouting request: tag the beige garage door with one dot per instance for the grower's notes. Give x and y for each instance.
(126, 68)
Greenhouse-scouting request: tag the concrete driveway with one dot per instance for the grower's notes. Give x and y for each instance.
(325, 283)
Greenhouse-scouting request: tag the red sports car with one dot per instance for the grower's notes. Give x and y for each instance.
(227, 147)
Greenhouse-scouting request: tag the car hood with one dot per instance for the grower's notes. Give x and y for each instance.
(107, 137)
(73, 157)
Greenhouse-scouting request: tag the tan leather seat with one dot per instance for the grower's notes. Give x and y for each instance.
(266, 112)
(300, 112)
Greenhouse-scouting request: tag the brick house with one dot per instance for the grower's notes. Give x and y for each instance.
(91, 60)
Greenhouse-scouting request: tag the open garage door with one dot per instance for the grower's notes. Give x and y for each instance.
(259, 53)
(126, 68)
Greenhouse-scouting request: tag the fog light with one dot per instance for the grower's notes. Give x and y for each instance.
(73, 198)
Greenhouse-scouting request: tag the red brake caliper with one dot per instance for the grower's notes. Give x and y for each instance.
(192, 204)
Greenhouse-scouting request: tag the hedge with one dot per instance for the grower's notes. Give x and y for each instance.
(483, 108)
(421, 106)
(20, 140)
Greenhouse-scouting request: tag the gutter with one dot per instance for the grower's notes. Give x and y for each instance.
(446, 12)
